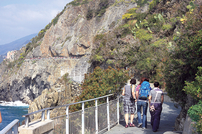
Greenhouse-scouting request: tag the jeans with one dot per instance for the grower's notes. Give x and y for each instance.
(140, 120)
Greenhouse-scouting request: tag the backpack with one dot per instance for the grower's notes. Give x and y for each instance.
(144, 90)
(131, 98)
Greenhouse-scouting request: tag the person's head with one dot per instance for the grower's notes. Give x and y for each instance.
(146, 79)
(133, 81)
(156, 84)
(141, 80)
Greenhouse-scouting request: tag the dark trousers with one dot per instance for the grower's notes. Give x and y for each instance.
(155, 116)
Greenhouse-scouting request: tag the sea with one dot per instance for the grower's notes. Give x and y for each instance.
(11, 111)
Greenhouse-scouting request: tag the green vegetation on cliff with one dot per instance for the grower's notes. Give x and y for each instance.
(100, 83)
(194, 88)
(167, 46)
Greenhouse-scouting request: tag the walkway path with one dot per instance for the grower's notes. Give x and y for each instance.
(168, 116)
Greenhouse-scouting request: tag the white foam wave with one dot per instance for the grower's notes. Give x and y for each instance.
(16, 103)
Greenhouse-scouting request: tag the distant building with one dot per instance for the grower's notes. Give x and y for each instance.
(11, 55)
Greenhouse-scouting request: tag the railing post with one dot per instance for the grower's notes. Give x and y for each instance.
(96, 117)
(27, 121)
(43, 115)
(108, 121)
(67, 120)
(9, 132)
(48, 114)
(118, 109)
(83, 120)
(15, 129)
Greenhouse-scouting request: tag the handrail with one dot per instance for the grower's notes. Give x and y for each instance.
(8, 128)
(50, 108)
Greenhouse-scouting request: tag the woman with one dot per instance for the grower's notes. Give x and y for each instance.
(129, 102)
(137, 89)
(142, 103)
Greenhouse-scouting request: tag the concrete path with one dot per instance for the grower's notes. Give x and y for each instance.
(168, 116)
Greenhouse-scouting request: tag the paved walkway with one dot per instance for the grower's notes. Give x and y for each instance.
(168, 116)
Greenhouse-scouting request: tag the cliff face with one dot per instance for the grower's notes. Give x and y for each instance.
(71, 37)
(73, 34)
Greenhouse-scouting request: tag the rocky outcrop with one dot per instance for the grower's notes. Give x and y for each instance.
(55, 97)
(33, 77)
(189, 126)
(180, 120)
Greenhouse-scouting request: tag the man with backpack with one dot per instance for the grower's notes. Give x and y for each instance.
(142, 101)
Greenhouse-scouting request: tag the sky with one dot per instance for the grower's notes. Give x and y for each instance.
(19, 18)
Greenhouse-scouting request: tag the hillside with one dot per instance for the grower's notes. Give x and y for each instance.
(158, 39)
(15, 45)
(1, 58)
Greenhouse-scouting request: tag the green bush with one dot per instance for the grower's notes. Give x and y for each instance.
(166, 27)
(143, 35)
(130, 14)
(100, 83)
(195, 113)
(194, 88)
(159, 43)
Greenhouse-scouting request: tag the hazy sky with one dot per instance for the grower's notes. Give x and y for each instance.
(19, 18)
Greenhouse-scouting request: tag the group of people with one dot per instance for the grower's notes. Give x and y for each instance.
(142, 94)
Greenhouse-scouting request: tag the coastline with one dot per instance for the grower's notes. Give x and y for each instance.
(13, 104)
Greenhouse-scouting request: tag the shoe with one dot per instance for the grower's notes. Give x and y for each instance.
(132, 125)
(139, 125)
(143, 128)
(126, 126)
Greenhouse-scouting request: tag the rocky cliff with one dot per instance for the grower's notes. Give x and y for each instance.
(71, 37)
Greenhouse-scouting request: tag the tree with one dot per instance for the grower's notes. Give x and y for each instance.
(186, 57)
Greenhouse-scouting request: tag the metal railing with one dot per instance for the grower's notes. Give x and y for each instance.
(88, 120)
(8, 129)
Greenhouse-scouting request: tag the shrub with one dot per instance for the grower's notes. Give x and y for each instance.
(127, 16)
(99, 58)
(89, 14)
(166, 27)
(159, 43)
(143, 35)
(153, 3)
(130, 14)
(99, 37)
(195, 113)
(103, 5)
(141, 2)
(100, 83)
(194, 88)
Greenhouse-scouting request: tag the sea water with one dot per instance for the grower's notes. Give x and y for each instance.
(11, 111)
